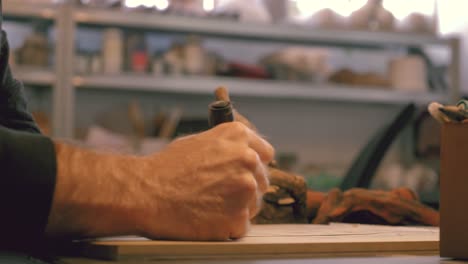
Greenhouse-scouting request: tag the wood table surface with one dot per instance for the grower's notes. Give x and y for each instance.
(268, 242)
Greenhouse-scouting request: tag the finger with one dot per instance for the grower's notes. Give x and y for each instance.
(255, 205)
(242, 193)
(261, 175)
(240, 225)
(249, 198)
(265, 150)
(238, 132)
(259, 181)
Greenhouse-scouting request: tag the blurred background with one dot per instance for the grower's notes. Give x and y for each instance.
(318, 78)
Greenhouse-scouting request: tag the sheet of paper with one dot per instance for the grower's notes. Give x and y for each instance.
(331, 230)
(279, 240)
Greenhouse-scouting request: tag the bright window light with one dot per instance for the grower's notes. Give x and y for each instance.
(132, 3)
(148, 3)
(346, 7)
(161, 4)
(308, 7)
(342, 7)
(208, 5)
(402, 8)
(452, 16)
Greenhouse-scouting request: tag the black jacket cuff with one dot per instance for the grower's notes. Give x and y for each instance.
(27, 183)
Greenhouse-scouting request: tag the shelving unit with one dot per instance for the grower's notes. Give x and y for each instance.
(17, 9)
(276, 33)
(67, 17)
(25, 10)
(39, 77)
(255, 88)
(21, 10)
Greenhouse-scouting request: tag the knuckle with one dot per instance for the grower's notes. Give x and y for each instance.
(240, 225)
(250, 158)
(256, 207)
(270, 153)
(238, 128)
(232, 130)
(266, 182)
(248, 184)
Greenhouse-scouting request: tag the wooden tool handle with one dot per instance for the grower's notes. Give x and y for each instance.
(222, 94)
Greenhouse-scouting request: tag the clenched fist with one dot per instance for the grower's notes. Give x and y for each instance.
(207, 186)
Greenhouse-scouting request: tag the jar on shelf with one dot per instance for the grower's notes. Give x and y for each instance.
(136, 53)
(408, 73)
(35, 50)
(112, 51)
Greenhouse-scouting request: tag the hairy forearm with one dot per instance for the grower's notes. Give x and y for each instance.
(209, 194)
(93, 194)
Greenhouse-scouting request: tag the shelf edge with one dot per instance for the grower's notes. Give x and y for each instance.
(256, 88)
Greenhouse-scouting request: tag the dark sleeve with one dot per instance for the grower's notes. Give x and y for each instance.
(27, 168)
(27, 182)
(13, 110)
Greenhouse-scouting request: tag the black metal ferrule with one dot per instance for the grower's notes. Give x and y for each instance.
(220, 112)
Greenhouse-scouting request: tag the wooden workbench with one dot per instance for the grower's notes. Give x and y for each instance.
(271, 242)
(347, 260)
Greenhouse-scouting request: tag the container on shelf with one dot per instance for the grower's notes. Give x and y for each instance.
(113, 51)
(136, 53)
(408, 73)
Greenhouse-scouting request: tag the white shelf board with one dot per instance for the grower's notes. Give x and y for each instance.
(256, 88)
(28, 9)
(34, 76)
(277, 32)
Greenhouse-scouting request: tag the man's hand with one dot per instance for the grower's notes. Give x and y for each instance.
(208, 186)
(202, 187)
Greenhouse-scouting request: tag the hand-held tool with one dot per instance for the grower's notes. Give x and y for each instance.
(220, 112)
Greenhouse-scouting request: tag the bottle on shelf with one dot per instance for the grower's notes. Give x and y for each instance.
(112, 51)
